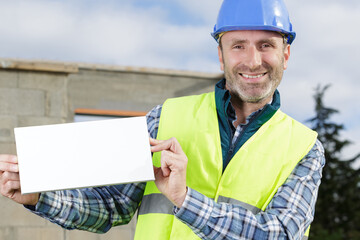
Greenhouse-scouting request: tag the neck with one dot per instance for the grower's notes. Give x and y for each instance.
(244, 109)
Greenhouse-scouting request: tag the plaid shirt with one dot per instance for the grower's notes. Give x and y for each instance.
(286, 217)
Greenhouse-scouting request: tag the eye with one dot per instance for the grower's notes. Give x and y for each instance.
(238, 47)
(265, 45)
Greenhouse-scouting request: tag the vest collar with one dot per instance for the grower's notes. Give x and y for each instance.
(222, 97)
(223, 105)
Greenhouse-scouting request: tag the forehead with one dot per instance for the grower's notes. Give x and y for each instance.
(250, 35)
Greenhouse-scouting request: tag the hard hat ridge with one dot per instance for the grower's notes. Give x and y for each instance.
(270, 15)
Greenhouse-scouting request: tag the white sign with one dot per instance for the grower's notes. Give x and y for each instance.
(85, 154)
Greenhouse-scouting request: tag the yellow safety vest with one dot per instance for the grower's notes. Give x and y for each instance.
(251, 178)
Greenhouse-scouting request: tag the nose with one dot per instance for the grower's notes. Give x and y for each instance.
(253, 58)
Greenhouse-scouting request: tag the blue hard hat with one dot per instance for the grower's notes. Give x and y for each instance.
(270, 15)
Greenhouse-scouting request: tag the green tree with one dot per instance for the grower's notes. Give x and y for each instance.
(337, 212)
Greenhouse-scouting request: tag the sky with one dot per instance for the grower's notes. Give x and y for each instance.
(175, 34)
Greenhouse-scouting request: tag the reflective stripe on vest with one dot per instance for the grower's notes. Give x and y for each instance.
(250, 180)
(158, 203)
(245, 205)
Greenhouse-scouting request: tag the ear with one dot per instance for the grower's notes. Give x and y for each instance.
(221, 58)
(286, 56)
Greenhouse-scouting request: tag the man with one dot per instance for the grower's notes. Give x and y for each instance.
(228, 164)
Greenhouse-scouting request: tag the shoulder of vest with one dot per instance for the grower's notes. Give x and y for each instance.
(298, 128)
(188, 103)
(189, 98)
(294, 121)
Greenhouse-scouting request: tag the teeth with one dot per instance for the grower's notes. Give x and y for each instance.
(248, 76)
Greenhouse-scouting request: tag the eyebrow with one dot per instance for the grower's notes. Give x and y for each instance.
(271, 41)
(238, 41)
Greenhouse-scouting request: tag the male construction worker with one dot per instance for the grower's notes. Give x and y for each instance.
(229, 164)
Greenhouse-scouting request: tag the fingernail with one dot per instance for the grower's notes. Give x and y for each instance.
(15, 159)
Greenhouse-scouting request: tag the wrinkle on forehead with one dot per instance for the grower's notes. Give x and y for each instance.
(248, 36)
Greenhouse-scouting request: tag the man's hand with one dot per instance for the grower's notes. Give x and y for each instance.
(10, 181)
(170, 178)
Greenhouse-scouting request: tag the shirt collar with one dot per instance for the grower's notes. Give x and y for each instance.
(225, 108)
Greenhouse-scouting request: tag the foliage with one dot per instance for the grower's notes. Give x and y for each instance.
(337, 212)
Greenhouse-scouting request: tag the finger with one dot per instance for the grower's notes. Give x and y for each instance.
(160, 145)
(10, 188)
(10, 176)
(170, 144)
(166, 161)
(13, 185)
(156, 170)
(8, 158)
(158, 174)
(163, 170)
(9, 167)
(154, 141)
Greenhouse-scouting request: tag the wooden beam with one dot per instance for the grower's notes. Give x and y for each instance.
(43, 66)
(100, 112)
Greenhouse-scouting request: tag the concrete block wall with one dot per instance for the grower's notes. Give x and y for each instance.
(41, 93)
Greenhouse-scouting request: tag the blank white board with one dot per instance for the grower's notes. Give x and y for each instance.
(85, 154)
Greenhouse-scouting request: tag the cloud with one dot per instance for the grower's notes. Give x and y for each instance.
(327, 40)
(122, 34)
(205, 9)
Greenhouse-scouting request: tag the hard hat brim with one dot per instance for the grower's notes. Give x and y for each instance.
(290, 35)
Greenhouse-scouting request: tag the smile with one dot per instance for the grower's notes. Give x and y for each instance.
(252, 76)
